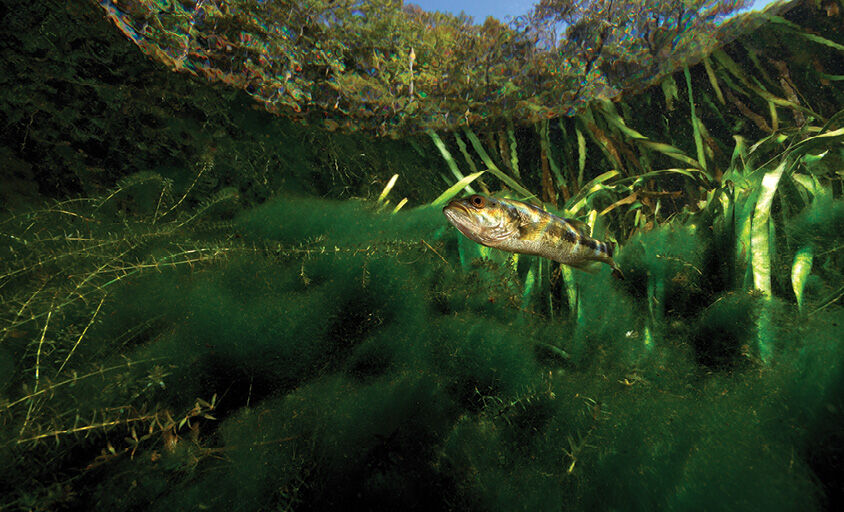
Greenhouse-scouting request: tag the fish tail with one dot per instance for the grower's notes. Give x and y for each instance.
(610, 248)
(617, 273)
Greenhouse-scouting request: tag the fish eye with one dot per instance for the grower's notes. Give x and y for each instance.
(477, 201)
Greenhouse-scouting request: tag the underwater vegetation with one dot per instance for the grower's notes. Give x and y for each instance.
(293, 366)
(237, 312)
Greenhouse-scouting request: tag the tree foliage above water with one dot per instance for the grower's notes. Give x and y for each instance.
(390, 68)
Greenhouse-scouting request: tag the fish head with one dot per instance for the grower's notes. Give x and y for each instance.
(484, 220)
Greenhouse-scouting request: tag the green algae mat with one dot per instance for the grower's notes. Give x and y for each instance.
(206, 307)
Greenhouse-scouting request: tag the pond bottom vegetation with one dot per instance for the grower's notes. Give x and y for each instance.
(192, 318)
(321, 354)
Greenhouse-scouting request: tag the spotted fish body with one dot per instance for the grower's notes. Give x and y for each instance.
(523, 228)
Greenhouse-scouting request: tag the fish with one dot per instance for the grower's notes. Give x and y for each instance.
(519, 227)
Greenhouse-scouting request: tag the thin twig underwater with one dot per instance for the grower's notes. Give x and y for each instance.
(518, 227)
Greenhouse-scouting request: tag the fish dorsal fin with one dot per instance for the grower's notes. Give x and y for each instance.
(581, 226)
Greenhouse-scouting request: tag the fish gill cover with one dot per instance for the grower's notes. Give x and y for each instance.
(390, 68)
(213, 308)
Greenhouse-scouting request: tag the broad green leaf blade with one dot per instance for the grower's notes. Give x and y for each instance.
(545, 141)
(805, 33)
(775, 120)
(514, 155)
(616, 120)
(800, 270)
(571, 290)
(581, 155)
(738, 158)
(669, 89)
(759, 231)
(530, 280)
(670, 151)
(579, 200)
(824, 140)
(745, 202)
(492, 168)
(701, 156)
(812, 185)
(693, 173)
(449, 160)
(465, 152)
(399, 206)
(456, 188)
(713, 80)
(388, 187)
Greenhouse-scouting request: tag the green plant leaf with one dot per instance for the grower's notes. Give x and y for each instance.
(399, 205)
(760, 232)
(582, 197)
(514, 155)
(701, 156)
(806, 34)
(492, 168)
(823, 140)
(694, 173)
(670, 151)
(713, 80)
(800, 270)
(446, 154)
(581, 155)
(388, 188)
(456, 188)
(812, 185)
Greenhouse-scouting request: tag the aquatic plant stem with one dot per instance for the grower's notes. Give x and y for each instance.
(37, 366)
(85, 330)
(65, 382)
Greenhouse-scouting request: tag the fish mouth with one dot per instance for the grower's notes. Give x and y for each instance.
(455, 204)
(454, 210)
(459, 216)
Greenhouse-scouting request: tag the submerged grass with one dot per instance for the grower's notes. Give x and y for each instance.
(311, 366)
(163, 346)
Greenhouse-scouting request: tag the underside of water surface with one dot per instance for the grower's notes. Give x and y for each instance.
(212, 300)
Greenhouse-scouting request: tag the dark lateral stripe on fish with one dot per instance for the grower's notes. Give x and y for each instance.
(559, 230)
(590, 243)
(597, 247)
(569, 236)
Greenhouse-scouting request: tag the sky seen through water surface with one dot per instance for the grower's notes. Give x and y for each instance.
(480, 9)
